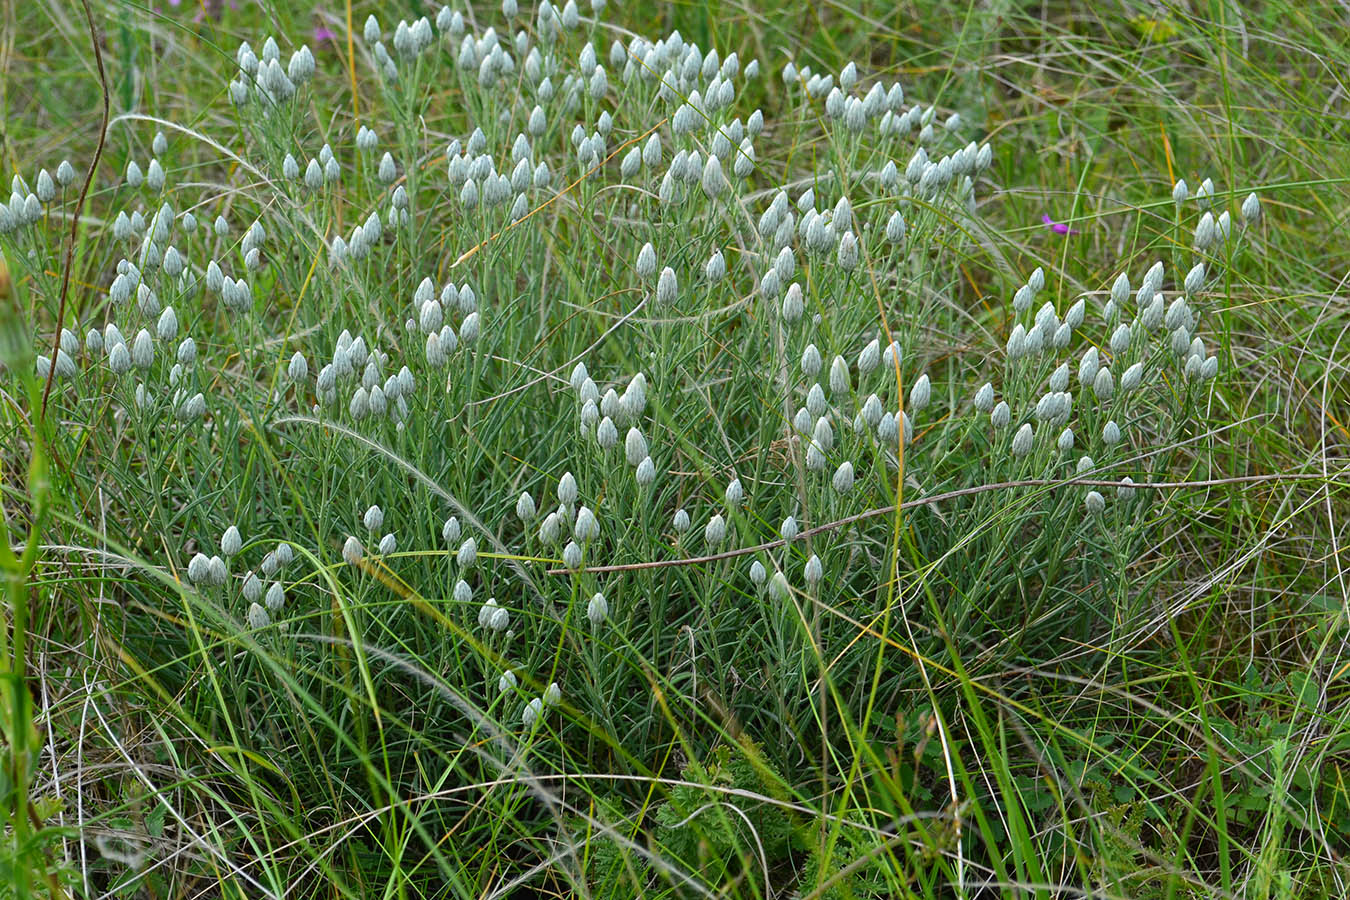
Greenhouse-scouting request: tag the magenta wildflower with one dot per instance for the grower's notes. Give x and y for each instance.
(1057, 227)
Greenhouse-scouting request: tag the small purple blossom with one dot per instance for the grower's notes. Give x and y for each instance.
(1057, 227)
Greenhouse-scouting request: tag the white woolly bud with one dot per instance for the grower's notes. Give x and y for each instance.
(167, 326)
(587, 527)
(666, 286)
(715, 531)
(467, 555)
(1120, 339)
(814, 571)
(257, 617)
(597, 609)
(811, 362)
(840, 381)
(1132, 377)
(1094, 502)
(1251, 208)
(1103, 385)
(572, 555)
(450, 530)
(843, 478)
(1088, 366)
(869, 358)
(1021, 444)
(646, 261)
(607, 434)
(231, 542)
(635, 446)
(920, 393)
(525, 509)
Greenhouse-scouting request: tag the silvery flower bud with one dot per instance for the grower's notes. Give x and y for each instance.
(646, 261)
(507, 681)
(1181, 340)
(1195, 279)
(352, 551)
(387, 171)
(1223, 226)
(551, 528)
(468, 329)
(848, 252)
(253, 589)
(920, 393)
(567, 489)
(467, 555)
(1132, 377)
(65, 173)
(199, 568)
(597, 610)
(231, 542)
(1120, 339)
(134, 176)
(450, 530)
(373, 518)
(1087, 368)
(606, 434)
(793, 303)
(587, 527)
(1251, 207)
(839, 378)
(142, 350)
(218, 573)
(525, 509)
(680, 522)
(715, 531)
(635, 446)
(666, 286)
(257, 617)
(1017, 340)
(1205, 232)
(1021, 444)
(735, 494)
(843, 478)
(869, 358)
(814, 571)
(778, 587)
(532, 712)
(895, 228)
(716, 267)
(119, 359)
(1022, 299)
(1104, 385)
(167, 326)
(811, 361)
(572, 555)
(1001, 415)
(646, 472)
(1065, 442)
(1094, 502)
(276, 597)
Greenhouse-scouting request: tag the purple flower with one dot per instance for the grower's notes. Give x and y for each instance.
(323, 35)
(1057, 227)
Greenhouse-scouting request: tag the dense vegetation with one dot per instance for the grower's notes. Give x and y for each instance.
(673, 450)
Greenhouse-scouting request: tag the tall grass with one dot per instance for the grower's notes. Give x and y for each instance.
(961, 670)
